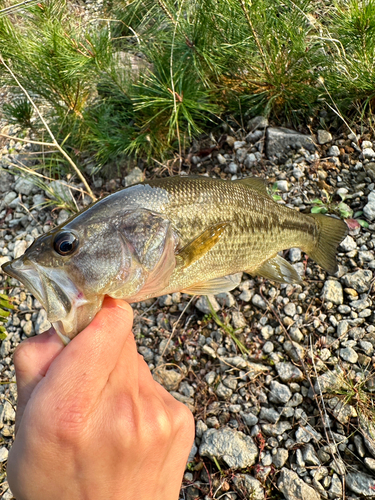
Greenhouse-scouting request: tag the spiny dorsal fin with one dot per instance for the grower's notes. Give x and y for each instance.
(194, 250)
(255, 183)
(215, 286)
(277, 269)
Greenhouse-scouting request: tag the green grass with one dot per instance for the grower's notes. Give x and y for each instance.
(151, 75)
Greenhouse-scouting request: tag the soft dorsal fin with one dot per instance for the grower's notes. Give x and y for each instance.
(256, 183)
(277, 269)
(194, 250)
(215, 286)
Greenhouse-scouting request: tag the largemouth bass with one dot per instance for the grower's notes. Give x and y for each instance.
(189, 234)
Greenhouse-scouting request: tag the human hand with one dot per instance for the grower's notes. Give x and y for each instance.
(91, 421)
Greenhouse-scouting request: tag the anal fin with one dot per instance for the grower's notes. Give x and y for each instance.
(277, 269)
(215, 286)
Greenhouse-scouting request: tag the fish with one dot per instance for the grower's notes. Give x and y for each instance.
(195, 235)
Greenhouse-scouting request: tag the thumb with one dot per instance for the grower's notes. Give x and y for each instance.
(32, 359)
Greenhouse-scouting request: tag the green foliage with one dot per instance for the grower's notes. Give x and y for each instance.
(21, 112)
(339, 208)
(5, 307)
(152, 75)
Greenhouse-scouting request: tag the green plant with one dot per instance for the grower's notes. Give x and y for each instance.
(273, 192)
(20, 111)
(5, 307)
(227, 328)
(339, 208)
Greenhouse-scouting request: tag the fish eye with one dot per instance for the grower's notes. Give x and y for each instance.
(65, 243)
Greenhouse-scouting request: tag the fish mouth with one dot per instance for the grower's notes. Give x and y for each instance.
(67, 308)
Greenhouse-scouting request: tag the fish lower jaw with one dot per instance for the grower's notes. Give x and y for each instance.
(59, 329)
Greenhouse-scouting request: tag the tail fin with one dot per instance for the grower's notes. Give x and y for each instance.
(331, 233)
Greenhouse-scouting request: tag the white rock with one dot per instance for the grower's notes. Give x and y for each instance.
(368, 153)
(369, 208)
(19, 248)
(324, 137)
(3, 454)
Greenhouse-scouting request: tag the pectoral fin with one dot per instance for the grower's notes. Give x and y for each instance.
(194, 250)
(216, 285)
(277, 269)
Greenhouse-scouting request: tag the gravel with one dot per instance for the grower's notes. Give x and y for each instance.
(262, 410)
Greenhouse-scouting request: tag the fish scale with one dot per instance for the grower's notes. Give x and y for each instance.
(190, 234)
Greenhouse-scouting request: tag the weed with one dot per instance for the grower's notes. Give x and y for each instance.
(339, 208)
(21, 112)
(5, 307)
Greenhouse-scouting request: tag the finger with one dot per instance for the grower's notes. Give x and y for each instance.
(86, 363)
(32, 359)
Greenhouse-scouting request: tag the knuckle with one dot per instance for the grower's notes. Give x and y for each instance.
(21, 355)
(69, 421)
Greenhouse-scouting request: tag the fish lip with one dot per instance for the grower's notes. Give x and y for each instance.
(23, 270)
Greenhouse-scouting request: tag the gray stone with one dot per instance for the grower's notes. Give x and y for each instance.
(283, 186)
(324, 136)
(359, 280)
(223, 392)
(306, 433)
(134, 177)
(370, 463)
(280, 457)
(294, 350)
(334, 151)
(348, 244)
(225, 299)
(59, 190)
(6, 181)
(335, 490)
(358, 441)
(368, 153)
(369, 208)
(147, 353)
(28, 329)
(330, 381)
(232, 168)
(63, 216)
(249, 418)
(5, 348)
(268, 347)
(254, 137)
(246, 295)
(170, 379)
(8, 198)
(348, 354)
(249, 486)
(258, 122)
(290, 309)
(269, 414)
(280, 393)
(332, 292)
(165, 300)
(250, 160)
(203, 305)
(295, 254)
(257, 301)
(288, 372)
(3, 454)
(24, 186)
(42, 324)
(19, 248)
(7, 413)
(279, 141)
(238, 320)
(294, 488)
(233, 447)
(360, 483)
(276, 429)
(200, 428)
(309, 455)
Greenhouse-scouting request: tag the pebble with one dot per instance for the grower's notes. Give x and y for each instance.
(359, 280)
(283, 186)
(135, 176)
(24, 186)
(42, 324)
(280, 393)
(288, 372)
(295, 254)
(348, 244)
(249, 486)
(238, 320)
(348, 354)
(332, 292)
(334, 151)
(246, 295)
(228, 445)
(369, 208)
(3, 454)
(324, 136)
(257, 301)
(360, 483)
(203, 305)
(294, 488)
(280, 457)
